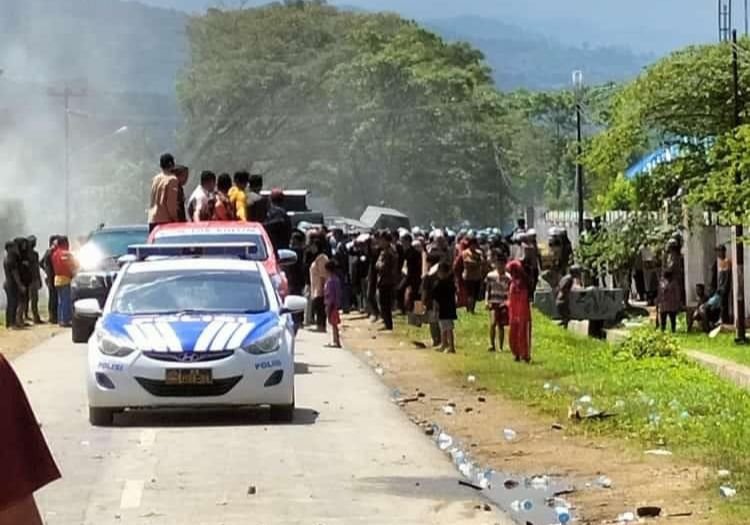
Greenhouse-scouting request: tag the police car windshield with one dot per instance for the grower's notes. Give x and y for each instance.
(193, 291)
(212, 238)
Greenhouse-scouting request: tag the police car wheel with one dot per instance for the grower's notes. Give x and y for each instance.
(101, 417)
(282, 413)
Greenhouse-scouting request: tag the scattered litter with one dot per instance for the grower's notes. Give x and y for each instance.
(429, 431)
(379, 370)
(510, 484)
(563, 514)
(151, 515)
(395, 394)
(648, 512)
(421, 394)
(658, 452)
(468, 409)
(585, 400)
(723, 473)
(487, 507)
(727, 491)
(626, 517)
(684, 414)
(252, 490)
(565, 492)
(510, 434)
(557, 426)
(405, 400)
(223, 502)
(471, 379)
(547, 386)
(444, 441)
(469, 484)
(522, 506)
(419, 344)
(448, 410)
(438, 399)
(482, 399)
(680, 515)
(604, 482)
(538, 482)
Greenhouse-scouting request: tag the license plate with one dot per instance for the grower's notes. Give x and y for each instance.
(183, 376)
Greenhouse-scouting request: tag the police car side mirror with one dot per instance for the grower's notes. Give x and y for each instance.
(287, 257)
(294, 304)
(88, 308)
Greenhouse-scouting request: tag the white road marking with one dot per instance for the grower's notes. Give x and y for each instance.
(207, 335)
(223, 337)
(131, 494)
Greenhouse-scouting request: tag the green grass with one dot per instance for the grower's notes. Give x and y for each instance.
(668, 402)
(722, 345)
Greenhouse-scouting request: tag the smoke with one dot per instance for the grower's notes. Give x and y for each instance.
(124, 57)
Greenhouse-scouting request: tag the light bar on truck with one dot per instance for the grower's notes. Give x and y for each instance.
(141, 252)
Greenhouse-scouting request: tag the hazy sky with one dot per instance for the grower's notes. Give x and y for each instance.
(644, 25)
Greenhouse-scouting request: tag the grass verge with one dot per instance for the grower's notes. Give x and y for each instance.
(660, 402)
(722, 346)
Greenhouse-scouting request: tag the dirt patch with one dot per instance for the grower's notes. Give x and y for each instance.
(637, 479)
(16, 342)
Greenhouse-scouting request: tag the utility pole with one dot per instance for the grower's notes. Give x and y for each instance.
(66, 94)
(725, 20)
(578, 85)
(738, 229)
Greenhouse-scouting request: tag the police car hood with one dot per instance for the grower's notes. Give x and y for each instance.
(190, 333)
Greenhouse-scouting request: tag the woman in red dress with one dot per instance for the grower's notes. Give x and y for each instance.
(26, 464)
(519, 312)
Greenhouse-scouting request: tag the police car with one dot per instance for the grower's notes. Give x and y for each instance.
(191, 327)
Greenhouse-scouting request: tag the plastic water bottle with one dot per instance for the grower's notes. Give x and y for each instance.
(563, 514)
(510, 434)
(522, 506)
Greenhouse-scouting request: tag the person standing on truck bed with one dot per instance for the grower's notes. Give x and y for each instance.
(257, 205)
(165, 190)
(238, 195)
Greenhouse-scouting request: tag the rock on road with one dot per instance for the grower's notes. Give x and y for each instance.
(350, 457)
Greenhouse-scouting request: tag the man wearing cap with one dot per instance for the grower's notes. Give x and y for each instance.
(277, 223)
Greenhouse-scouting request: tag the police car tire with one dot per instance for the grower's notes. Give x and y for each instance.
(101, 417)
(81, 330)
(282, 413)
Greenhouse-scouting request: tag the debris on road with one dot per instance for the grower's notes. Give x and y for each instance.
(723, 473)
(658, 452)
(510, 484)
(626, 517)
(727, 492)
(464, 483)
(419, 344)
(379, 370)
(648, 512)
(482, 399)
(557, 426)
(604, 482)
(448, 410)
(510, 434)
(471, 379)
(252, 490)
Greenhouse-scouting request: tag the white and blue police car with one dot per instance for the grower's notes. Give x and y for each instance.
(191, 326)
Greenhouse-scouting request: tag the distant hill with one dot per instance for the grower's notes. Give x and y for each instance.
(522, 59)
(646, 26)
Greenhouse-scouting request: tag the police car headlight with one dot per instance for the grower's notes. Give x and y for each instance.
(114, 346)
(268, 344)
(88, 281)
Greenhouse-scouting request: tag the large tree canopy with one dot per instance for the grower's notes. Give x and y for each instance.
(687, 99)
(364, 108)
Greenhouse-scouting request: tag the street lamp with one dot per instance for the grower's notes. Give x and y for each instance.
(578, 88)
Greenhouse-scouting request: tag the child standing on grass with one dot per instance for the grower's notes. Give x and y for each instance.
(497, 285)
(444, 295)
(332, 296)
(669, 301)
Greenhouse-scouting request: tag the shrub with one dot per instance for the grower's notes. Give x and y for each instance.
(644, 343)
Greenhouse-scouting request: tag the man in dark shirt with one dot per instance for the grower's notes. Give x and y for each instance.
(412, 280)
(388, 272)
(277, 223)
(257, 205)
(36, 279)
(563, 293)
(13, 286)
(24, 270)
(49, 274)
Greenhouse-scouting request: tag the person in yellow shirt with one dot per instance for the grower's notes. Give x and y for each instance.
(238, 195)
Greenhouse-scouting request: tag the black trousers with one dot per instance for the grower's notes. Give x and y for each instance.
(52, 303)
(319, 312)
(11, 305)
(672, 320)
(385, 300)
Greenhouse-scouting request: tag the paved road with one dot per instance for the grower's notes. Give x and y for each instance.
(350, 457)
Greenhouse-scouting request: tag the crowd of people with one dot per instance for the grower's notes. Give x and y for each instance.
(25, 275)
(427, 276)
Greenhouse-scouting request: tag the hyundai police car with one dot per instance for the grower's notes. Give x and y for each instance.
(184, 331)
